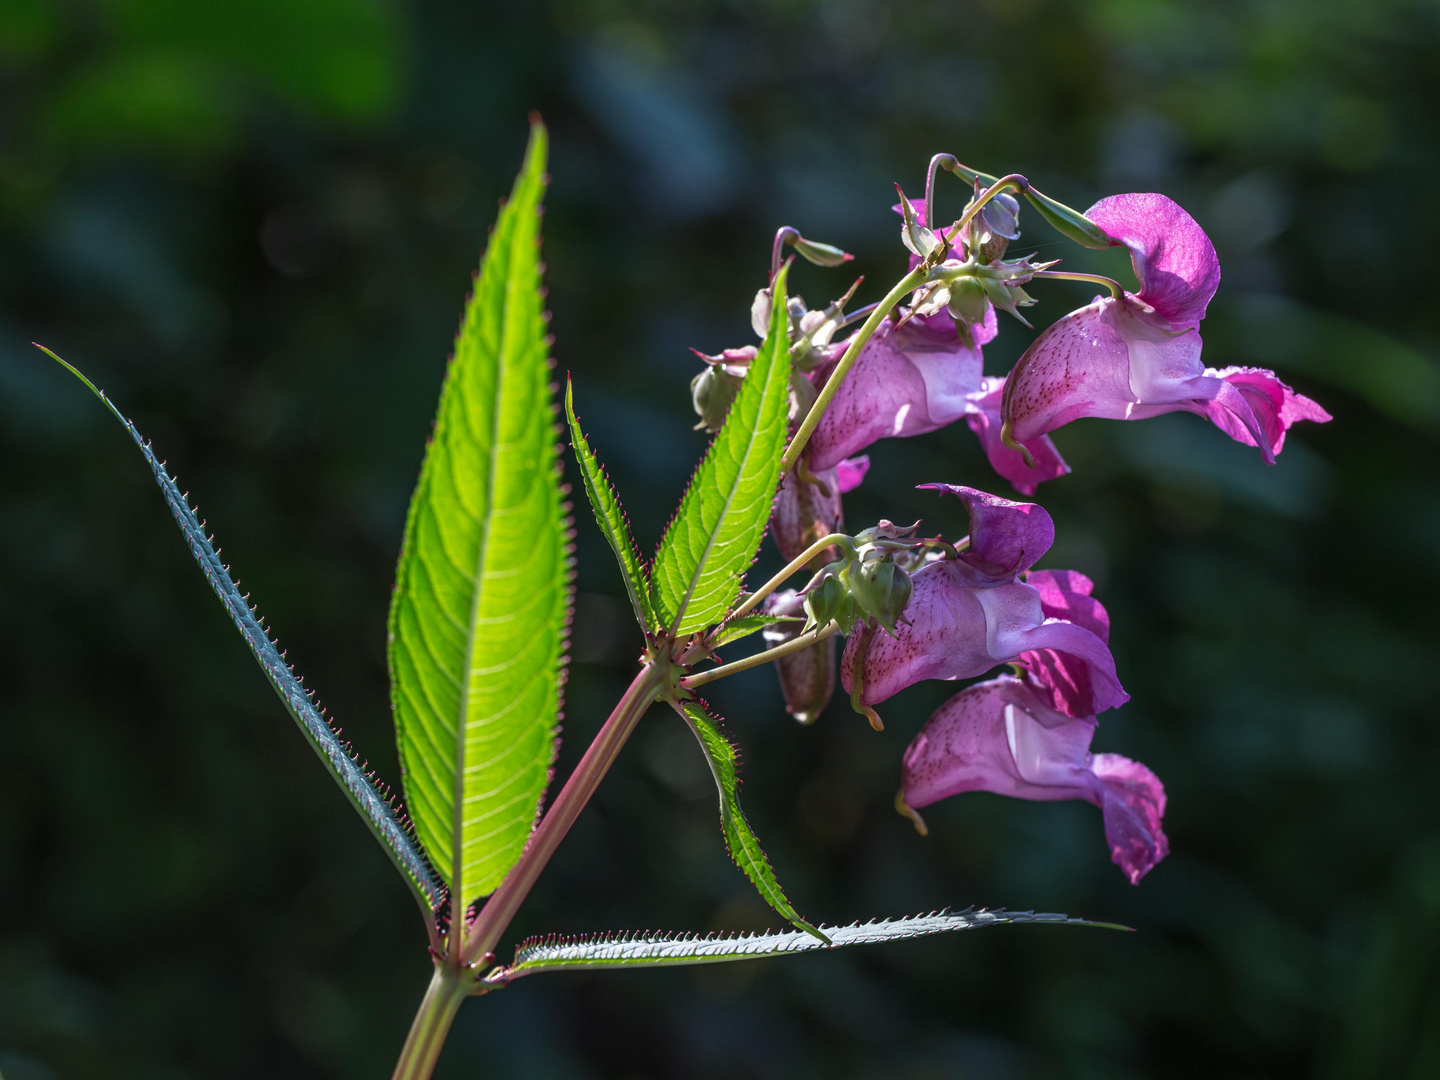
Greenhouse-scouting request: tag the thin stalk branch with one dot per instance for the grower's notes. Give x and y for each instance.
(807, 428)
(505, 901)
(794, 566)
(1116, 289)
(804, 641)
(946, 160)
(1015, 180)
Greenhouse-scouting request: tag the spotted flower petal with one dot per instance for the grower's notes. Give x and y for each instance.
(999, 736)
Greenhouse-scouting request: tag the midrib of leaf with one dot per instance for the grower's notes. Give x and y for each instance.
(482, 593)
(762, 377)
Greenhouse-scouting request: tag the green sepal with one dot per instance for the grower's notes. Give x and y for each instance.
(610, 516)
(739, 837)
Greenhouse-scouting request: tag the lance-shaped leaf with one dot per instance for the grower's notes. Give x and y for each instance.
(739, 837)
(373, 804)
(612, 521)
(674, 950)
(714, 536)
(480, 615)
(745, 625)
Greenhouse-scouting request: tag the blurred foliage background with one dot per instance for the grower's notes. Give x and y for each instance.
(253, 222)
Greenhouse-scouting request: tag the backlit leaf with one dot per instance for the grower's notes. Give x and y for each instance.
(479, 620)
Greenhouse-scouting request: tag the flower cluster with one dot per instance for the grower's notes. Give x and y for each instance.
(915, 608)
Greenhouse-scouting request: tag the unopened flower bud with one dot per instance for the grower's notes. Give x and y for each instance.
(968, 301)
(822, 254)
(1071, 224)
(760, 314)
(881, 589)
(996, 225)
(830, 602)
(807, 677)
(711, 392)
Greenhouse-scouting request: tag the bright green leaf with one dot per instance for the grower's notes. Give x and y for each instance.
(371, 804)
(612, 521)
(746, 625)
(744, 847)
(482, 593)
(717, 530)
(675, 950)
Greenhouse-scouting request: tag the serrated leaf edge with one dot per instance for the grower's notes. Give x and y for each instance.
(377, 805)
(658, 949)
(603, 499)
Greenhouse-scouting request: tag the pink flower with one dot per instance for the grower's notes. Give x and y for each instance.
(1139, 356)
(984, 419)
(1000, 736)
(907, 380)
(967, 615)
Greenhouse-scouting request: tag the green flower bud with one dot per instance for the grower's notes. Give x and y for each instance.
(821, 254)
(711, 392)
(1071, 224)
(881, 589)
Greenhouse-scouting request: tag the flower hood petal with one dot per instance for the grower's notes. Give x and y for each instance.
(1006, 538)
(1174, 260)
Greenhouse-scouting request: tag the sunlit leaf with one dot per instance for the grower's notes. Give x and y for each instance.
(714, 536)
(746, 625)
(479, 620)
(612, 521)
(739, 837)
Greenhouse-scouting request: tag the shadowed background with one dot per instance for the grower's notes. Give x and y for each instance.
(253, 222)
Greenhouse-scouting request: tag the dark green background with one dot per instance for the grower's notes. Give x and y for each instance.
(253, 222)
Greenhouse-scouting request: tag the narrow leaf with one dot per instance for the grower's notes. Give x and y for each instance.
(739, 838)
(673, 950)
(374, 805)
(746, 625)
(714, 536)
(612, 521)
(479, 619)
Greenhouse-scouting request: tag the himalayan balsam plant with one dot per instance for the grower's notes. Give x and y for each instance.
(479, 621)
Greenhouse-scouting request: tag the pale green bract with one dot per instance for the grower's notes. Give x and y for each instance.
(676, 950)
(478, 624)
(612, 521)
(717, 530)
(739, 837)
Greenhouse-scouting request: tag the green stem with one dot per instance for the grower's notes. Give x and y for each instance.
(449, 986)
(1116, 289)
(794, 566)
(902, 289)
(505, 901)
(804, 641)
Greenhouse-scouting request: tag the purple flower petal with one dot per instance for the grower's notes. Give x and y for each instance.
(851, 472)
(998, 736)
(906, 381)
(984, 420)
(1272, 404)
(1062, 679)
(1006, 537)
(1173, 258)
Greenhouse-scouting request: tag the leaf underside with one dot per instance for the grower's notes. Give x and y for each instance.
(374, 805)
(673, 950)
(740, 839)
(721, 520)
(479, 619)
(610, 516)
